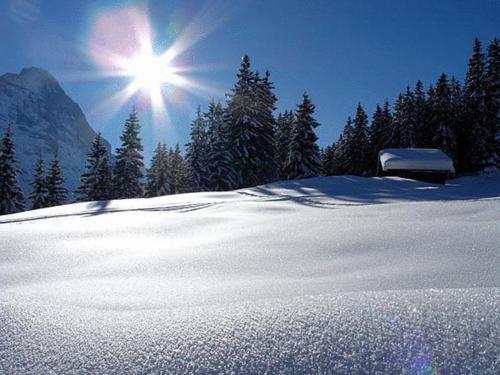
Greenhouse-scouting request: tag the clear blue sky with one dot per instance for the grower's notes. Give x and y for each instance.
(341, 52)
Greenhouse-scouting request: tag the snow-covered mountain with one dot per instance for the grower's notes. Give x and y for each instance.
(330, 275)
(44, 119)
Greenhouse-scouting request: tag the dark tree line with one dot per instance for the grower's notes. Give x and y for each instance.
(461, 120)
(242, 144)
(47, 188)
(237, 145)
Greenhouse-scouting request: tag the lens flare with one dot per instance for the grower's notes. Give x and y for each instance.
(149, 72)
(121, 45)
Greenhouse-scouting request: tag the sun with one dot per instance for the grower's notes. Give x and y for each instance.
(122, 44)
(149, 72)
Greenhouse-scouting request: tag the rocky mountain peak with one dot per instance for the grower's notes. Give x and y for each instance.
(44, 120)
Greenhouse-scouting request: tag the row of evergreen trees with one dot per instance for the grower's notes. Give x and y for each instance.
(101, 180)
(463, 121)
(234, 146)
(47, 188)
(242, 144)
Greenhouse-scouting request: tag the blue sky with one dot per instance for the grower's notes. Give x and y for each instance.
(341, 52)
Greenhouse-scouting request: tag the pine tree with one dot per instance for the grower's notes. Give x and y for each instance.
(303, 159)
(379, 133)
(338, 155)
(359, 158)
(180, 181)
(420, 113)
(158, 177)
(242, 117)
(425, 136)
(197, 153)
(457, 108)
(345, 149)
(11, 196)
(329, 160)
(129, 161)
(38, 195)
(96, 180)
(404, 120)
(56, 193)
(492, 101)
(395, 136)
(387, 129)
(221, 174)
(475, 131)
(267, 166)
(283, 130)
(442, 121)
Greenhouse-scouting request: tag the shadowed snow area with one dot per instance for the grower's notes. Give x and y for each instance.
(325, 275)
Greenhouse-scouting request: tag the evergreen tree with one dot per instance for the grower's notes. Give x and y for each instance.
(178, 172)
(426, 134)
(388, 124)
(404, 120)
(492, 101)
(395, 135)
(420, 114)
(303, 159)
(379, 133)
(221, 174)
(11, 196)
(158, 178)
(457, 110)
(475, 131)
(56, 193)
(329, 160)
(442, 120)
(283, 130)
(38, 195)
(129, 161)
(359, 159)
(96, 180)
(345, 149)
(324, 159)
(242, 117)
(183, 174)
(338, 156)
(197, 154)
(267, 166)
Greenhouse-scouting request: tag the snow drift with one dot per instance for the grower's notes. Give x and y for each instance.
(324, 275)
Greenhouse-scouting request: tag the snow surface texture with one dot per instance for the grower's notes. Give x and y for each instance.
(415, 159)
(325, 275)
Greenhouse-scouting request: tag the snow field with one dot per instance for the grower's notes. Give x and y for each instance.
(325, 275)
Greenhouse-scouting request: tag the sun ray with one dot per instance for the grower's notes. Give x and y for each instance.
(114, 103)
(209, 18)
(196, 87)
(151, 75)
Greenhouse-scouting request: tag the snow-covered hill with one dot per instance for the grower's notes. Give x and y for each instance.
(326, 275)
(44, 119)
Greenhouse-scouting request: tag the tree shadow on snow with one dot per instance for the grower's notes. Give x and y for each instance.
(98, 207)
(338, 191)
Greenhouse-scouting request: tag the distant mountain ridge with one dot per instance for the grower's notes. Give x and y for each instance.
(44, 119)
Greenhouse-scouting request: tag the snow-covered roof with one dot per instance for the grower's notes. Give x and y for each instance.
(415, 159)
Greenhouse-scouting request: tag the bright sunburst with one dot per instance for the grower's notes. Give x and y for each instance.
(121, 45)
(149, 72)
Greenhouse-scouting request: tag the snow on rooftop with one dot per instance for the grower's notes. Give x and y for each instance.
(415, 159)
